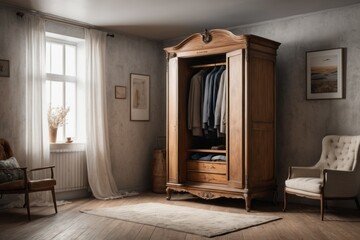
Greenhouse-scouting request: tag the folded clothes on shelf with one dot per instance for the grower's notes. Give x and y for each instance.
(208, 157)
(197, 156)
(218, 158)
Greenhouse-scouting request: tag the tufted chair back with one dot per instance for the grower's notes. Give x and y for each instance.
(339, 153)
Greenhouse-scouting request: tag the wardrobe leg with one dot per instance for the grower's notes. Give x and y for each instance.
(357, 202)
(247, 202)
(168, 191)
(27, 203)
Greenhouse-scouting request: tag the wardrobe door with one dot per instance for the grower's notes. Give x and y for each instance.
(236, 116)
(172, 122)
(262, 84)
(179, 139)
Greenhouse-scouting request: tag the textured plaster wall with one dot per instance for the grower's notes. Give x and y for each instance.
(301, 124)
(12, 90)
(131, 142)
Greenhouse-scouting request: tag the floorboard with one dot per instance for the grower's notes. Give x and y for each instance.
(299, 222)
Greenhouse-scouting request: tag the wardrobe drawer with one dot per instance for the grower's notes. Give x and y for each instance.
(206, 177)
(206, 167)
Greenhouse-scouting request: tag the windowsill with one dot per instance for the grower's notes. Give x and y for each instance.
(67, 147)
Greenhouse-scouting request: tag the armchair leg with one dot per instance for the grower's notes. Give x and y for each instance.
(54, 199)
(285, 201)
(275, 195)
(27, 204)
(322, 207)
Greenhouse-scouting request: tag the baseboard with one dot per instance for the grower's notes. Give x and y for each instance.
(68, 195)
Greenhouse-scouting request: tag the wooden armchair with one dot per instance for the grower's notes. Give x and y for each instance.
(335, 176)
(17, 181)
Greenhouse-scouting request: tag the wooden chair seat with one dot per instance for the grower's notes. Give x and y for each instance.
(42, 184)
(335, 176)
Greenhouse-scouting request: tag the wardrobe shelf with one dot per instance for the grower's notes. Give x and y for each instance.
(207, 151)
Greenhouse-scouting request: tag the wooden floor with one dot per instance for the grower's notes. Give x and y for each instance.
(299, 222)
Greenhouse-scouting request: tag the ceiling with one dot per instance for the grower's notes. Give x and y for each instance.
(168, 19)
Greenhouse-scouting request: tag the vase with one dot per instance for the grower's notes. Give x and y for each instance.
(52, 134)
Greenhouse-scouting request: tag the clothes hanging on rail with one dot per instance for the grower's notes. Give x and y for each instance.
(204, 96)
(223, 107)
(206, 102)
(213, 87)
(195, 103)
(220, 108)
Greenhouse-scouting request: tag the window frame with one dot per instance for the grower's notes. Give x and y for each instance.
(52, 77)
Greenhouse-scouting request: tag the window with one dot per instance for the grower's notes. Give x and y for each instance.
(62, 80)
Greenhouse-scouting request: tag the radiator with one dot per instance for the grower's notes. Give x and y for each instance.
(70, 167)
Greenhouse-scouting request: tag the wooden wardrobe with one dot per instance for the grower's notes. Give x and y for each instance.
(249, 169)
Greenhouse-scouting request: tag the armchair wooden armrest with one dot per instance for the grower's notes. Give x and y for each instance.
(296, 172)
(43, 168)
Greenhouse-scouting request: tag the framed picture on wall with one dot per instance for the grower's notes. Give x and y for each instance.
(4, 68)
(120, 92)
(325, 76)
(139, 97)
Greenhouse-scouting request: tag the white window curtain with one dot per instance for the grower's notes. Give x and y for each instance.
(37, 138)
(100, 176)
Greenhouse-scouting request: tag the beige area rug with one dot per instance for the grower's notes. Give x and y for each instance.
(184, 219)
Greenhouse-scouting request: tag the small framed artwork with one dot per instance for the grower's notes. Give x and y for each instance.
(4, 68)
(325, 76)
(139, 97)
(120, 92)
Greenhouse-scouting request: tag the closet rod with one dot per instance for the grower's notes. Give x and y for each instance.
(209, 65)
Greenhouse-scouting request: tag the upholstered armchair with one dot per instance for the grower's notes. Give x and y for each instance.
(335, 176)
(15, 180)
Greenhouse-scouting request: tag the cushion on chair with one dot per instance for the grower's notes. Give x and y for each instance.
(2, 153)
(43, 184)
(10, 175)
(313, 185)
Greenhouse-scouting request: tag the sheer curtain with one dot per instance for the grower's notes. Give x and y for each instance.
(37, 138)
(101, 180)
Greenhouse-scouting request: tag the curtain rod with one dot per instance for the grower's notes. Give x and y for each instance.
(57, 19)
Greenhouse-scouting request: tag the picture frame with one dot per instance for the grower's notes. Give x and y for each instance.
(4, 68)
(120, 92)
(139, 97)
(325, 74)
